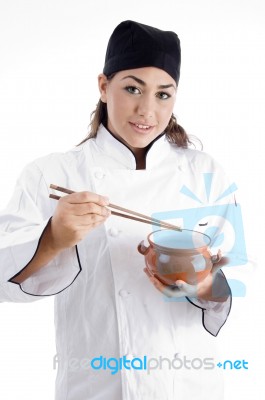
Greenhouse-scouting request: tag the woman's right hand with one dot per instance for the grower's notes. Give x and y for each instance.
(75, 215)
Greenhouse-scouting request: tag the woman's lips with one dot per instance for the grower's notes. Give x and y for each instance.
(141, 128)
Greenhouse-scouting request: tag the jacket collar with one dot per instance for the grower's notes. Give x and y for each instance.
(158, 150)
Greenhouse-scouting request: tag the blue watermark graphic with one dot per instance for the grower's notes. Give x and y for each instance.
(149, 364)
(223, 223)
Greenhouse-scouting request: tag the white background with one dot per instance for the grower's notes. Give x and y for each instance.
(51, 52)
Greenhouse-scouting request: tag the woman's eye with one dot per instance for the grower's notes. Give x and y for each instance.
(163, 95)
(132, 89)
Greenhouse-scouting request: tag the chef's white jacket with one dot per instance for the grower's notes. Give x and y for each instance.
(104, 304)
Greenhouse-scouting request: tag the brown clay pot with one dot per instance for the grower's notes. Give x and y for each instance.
(173, 255)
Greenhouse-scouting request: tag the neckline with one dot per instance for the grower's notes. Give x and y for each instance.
(148, 147)
(122, 155)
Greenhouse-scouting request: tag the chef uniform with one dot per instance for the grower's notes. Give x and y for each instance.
(105, 306)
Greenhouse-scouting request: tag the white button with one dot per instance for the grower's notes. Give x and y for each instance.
(113, 232)
(124, 293)
(99, 174)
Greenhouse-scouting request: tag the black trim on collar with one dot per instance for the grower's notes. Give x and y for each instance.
(148, 147)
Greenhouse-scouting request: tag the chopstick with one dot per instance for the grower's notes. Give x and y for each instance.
(143, 218)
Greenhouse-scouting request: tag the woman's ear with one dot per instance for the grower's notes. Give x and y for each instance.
(102, 85)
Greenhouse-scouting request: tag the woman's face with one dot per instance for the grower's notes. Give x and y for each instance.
(140, 103)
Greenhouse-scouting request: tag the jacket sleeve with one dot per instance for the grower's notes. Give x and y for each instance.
(22, 224)
(215, 314)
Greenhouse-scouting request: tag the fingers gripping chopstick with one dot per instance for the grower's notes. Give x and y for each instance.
(129, 213)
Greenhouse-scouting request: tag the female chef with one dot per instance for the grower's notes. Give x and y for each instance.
(107, 310)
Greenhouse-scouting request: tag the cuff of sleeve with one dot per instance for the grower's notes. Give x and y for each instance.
(17, 254)
(215, 314)
(52, 278)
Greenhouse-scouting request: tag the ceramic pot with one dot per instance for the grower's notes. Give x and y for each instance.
(173, 255)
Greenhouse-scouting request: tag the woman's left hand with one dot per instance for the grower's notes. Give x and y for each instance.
(203, 290)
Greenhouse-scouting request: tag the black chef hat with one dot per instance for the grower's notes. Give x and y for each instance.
(134, 45)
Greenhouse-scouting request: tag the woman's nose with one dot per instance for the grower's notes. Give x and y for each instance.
(146, 107)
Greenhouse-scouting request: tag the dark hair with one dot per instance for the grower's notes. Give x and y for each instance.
(174, 132)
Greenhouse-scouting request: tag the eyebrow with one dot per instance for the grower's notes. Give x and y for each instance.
(141, 82)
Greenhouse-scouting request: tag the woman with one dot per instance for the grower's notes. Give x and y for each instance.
(107, 312)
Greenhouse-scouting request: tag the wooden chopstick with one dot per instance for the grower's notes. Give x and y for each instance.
(143, 218)
(61, 189)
